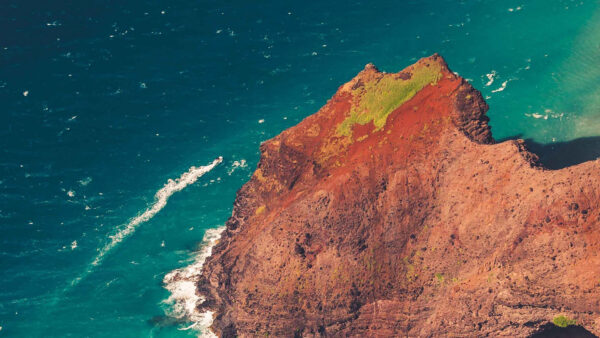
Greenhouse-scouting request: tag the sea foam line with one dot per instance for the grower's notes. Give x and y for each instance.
(184, 299)
(160, 201)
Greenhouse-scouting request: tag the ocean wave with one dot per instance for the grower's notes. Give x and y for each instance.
(184, 299)
(548, 113)
(490, 77)
(160, 201)
(237, 164)
(501, 87)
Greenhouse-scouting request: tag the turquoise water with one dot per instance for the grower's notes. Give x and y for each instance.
(101, 102)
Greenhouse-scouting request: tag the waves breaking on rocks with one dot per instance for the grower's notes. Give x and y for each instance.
(184, 298)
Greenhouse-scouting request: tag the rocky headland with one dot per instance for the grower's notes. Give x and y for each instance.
(393, 212)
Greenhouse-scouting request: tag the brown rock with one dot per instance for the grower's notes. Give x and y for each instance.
(391, 211)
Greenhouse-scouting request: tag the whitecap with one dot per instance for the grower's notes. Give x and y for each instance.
(237, 164)
(490, 77)
(85, 181)
(501, 87)
(184, 299)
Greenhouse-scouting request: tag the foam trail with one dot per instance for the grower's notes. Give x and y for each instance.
(501, 87)
(160, 201)
(182, 282)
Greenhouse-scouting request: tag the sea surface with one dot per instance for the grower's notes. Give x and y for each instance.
(113, 116)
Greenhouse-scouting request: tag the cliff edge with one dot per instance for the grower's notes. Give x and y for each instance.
(392, 211)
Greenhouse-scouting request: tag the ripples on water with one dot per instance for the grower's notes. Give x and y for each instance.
(101, 102)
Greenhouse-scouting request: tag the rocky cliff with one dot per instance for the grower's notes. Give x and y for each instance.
(392, 211)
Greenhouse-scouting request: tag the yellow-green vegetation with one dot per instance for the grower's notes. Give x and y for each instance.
(369, 262)
(260, 209)
(563, 321)
(440, 278)
(259, 175)
(362, 138)
(331, 148)
(411, 275)
(377, 98)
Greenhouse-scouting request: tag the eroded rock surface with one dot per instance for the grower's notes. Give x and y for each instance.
(392, 211)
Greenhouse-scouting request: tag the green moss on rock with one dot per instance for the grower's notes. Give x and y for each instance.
(379, 97)
(563, 321)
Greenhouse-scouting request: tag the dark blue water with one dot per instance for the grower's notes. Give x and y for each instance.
(101, 102)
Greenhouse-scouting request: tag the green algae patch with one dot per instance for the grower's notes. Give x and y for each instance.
(563, 321)
(379, 97)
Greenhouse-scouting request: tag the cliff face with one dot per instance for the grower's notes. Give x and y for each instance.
(391, 211)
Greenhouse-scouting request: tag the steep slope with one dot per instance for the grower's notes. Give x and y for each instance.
(391, 211)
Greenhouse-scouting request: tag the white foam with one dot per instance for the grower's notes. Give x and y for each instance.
(549, 113)
(184, 299)
(160, 201)
(501, 87)
(85, 181)
(490, 78)
(237, 164)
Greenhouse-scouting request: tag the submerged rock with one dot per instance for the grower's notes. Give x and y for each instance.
(392, 211)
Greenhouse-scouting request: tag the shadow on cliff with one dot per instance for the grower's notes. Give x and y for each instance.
(564, 154)
(573, 331)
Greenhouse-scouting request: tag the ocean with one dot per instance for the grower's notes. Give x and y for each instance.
(126, 127)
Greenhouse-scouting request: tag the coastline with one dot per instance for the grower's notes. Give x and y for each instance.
(184, 299)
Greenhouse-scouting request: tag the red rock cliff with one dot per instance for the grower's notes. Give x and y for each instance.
(392, 212)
